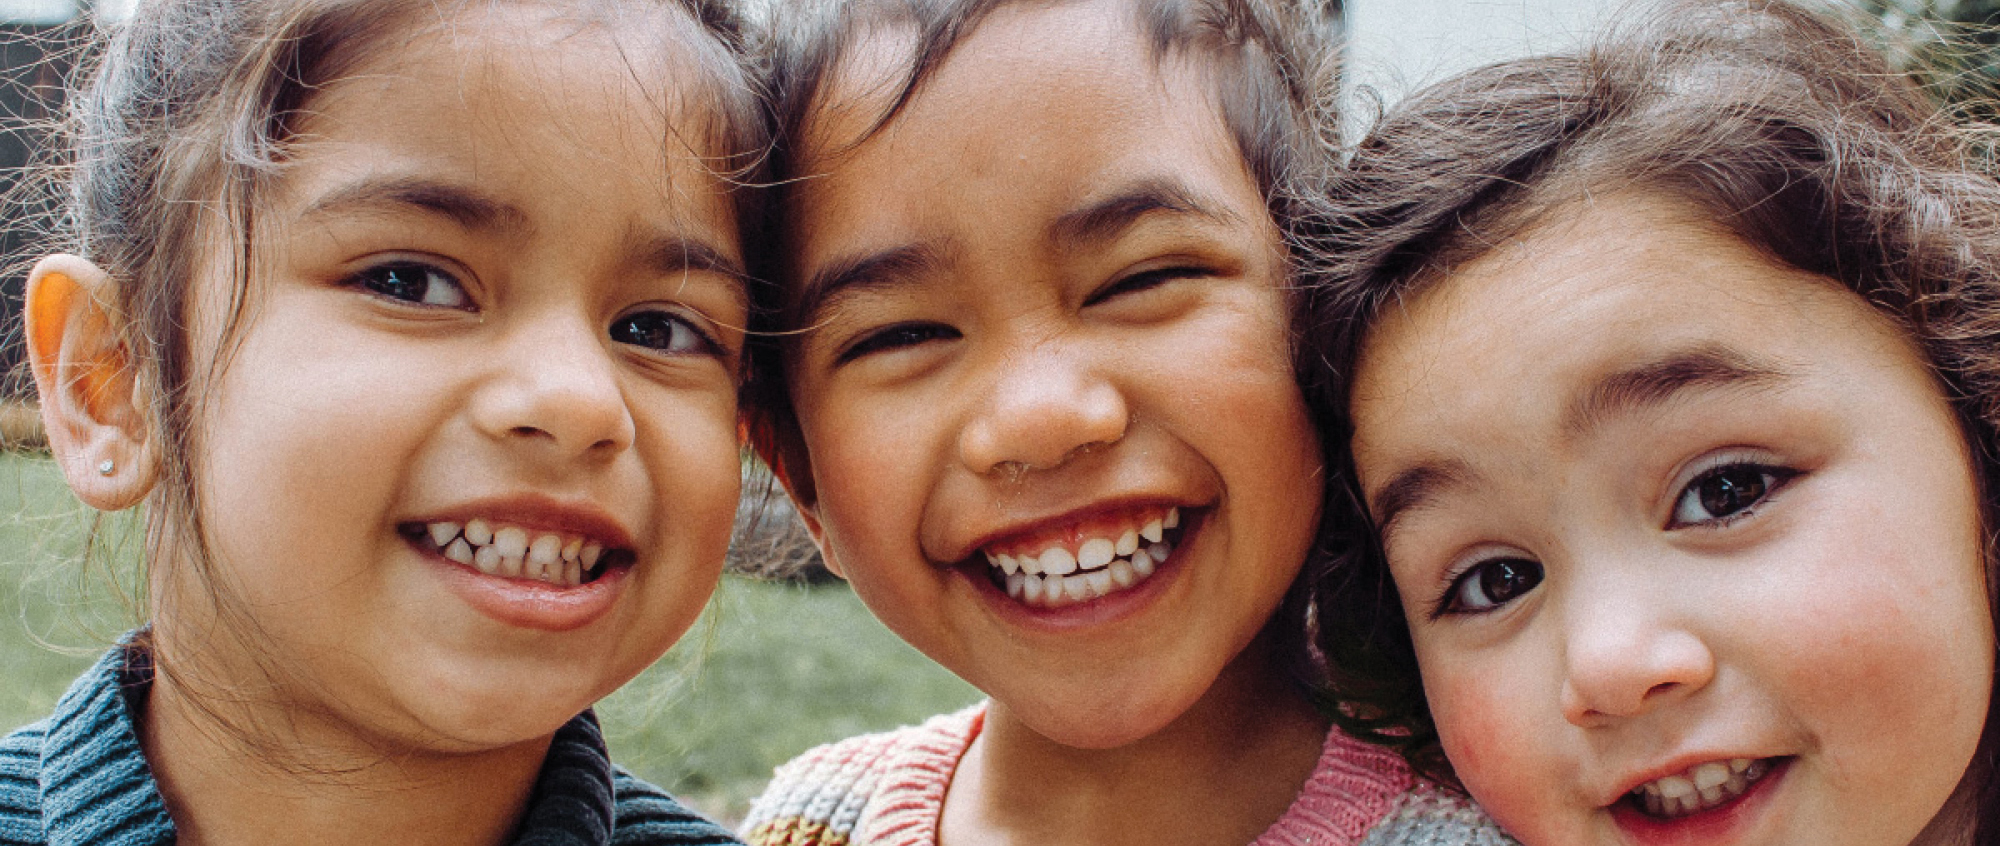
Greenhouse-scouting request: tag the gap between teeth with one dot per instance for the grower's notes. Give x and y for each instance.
(1700, 788)
(516, 553)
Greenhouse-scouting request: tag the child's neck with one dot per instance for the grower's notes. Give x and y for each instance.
(315, 785)
(1220, 774)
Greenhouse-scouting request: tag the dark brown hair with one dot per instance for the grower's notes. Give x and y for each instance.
(1266, 62)
(1781, 127)
(177, 126)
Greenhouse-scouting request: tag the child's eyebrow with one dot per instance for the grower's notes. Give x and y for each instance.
(879, 269)
(465, 206)
(1105, 219)
(1655, 382)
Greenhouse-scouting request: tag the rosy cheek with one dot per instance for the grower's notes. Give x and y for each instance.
(1488, 736)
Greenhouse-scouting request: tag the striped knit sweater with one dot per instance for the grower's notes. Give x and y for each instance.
(888, 790)
(79, 777)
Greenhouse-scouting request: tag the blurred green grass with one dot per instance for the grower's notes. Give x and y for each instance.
(771, 670)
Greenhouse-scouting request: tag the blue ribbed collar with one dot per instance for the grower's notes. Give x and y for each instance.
(98, 791)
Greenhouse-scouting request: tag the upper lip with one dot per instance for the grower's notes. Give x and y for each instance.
(1030, 526)
(1675, 765)
(543, 513)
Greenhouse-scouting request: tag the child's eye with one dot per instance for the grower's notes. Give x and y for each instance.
(662, 332)
(1145, 280)
(414, 283)
(1488, 585)
(1725, 493)
(897, 337)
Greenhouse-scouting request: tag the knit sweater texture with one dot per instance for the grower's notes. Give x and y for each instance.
(888, 790)
(80, 777)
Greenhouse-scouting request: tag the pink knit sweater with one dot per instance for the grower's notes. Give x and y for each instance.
(888, 790)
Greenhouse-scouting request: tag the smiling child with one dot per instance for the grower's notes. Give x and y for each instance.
(1039, 409)
(1674, 409)
(416, 327)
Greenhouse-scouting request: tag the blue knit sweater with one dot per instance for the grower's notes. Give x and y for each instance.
(79, 778)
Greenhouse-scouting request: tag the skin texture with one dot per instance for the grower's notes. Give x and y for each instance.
(535, 186)
(1839, 620)
(1002, 378)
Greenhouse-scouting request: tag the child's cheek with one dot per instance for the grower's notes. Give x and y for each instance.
(1482, 722)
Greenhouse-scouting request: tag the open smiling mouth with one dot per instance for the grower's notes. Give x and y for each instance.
(516, 552)
(1056, 574)
(1701, 788)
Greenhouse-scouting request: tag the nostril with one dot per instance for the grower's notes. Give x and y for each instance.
(1661, 688)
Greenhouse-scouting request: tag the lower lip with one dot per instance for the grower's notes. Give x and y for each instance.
(1721, 824)
(529, 604)
(1095, 612)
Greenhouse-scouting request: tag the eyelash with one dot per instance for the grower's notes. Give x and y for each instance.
(1770, 480)
(1452, 600)
(379, 280)
(1146, 280)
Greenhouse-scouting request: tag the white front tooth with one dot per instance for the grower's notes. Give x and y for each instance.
(1675, 787)
(479, 533)
(1099, 582)
(459, 551)
(1173, 518)
(442, 533)
(1142, 564)
(510, 565)
(1737, 765)
(1009, 564)
(1016, 582)
(1095, 553)
(1058, 562)
(1031, 590)
(546, 549)
(512, 541)
(573, 551)
(1076, 588)
(1152, 532)
(487, 559)
(1709, 775)
(1128, 543)
(1029, 564)
(1160, 551)
(1711, 795)
(590, 553)
(1121, 574)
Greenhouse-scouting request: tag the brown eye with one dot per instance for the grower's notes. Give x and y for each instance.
(661, 332)
(414, 283)
(1727, 492)
(1491, 584)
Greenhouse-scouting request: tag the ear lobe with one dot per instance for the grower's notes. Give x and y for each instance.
(93, 404)
(809, 514)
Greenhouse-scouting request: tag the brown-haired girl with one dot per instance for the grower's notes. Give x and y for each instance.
(1669, 375)
(416, 328)
(1036, 400)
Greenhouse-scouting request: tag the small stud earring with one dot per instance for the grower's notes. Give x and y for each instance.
(105, 467)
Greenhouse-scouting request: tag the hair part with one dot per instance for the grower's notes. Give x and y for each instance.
(1782, 129)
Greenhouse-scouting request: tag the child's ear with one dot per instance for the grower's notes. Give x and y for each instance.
(93, 405)
(809, 514)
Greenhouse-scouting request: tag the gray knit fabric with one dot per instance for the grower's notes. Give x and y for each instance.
(79, 778)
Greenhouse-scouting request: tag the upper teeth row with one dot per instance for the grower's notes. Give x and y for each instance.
(1701, 787)
(1093, 554)
(513, 552)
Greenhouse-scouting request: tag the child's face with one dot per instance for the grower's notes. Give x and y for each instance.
(1661, 512)
(499, 304)
(1048, 318)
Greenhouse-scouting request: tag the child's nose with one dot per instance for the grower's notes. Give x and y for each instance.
(1041, 409)
(556, 389)
(1626, 655)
